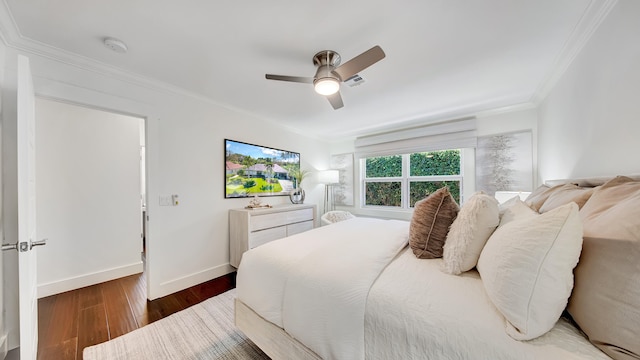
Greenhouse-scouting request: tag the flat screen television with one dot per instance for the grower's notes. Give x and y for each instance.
(258, 170)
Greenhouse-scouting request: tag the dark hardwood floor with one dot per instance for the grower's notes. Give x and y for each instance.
(70, 321)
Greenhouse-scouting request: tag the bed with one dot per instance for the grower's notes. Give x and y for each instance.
(355, 290)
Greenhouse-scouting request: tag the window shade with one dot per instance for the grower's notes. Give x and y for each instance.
(455, 134)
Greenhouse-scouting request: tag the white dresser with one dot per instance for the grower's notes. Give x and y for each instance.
(249, 228)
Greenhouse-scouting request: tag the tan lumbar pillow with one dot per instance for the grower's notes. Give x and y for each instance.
(566, 194)
(430, 222)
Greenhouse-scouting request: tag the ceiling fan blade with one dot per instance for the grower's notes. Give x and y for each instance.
(335, 100)
(300, 79)
(360, 62)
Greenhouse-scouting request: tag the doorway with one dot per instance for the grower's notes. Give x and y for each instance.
(91, 195)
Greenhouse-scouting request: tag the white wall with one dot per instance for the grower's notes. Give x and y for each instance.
(590, 121)
(88, 196)
(188, 243)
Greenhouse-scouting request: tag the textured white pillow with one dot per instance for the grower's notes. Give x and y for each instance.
(527, 268)
(476, 221)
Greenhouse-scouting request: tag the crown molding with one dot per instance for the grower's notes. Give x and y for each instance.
(12, 38)
(593, 16)
(506, 109)
(8, 29)
(78, 61)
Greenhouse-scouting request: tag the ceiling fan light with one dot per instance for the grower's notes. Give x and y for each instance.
(326, 86)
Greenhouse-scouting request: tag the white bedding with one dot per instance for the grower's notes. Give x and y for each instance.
(319, 296)
(413, 310)
(262, 274)
(325, 298)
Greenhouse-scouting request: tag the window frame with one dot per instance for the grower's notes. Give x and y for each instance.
(405, 180)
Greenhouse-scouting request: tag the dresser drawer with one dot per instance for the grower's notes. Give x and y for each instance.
(264, 221)
(297, 228)
(261, 237)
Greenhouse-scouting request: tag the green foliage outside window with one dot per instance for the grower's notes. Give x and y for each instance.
(419, 190)
(424, 164)
(444, 162)
(384, 166)
(384, 193)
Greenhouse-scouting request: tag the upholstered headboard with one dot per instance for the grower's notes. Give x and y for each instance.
(587, 182)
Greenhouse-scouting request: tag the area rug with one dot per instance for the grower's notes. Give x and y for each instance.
(203, 331)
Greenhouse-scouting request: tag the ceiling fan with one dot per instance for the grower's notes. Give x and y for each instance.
(330, 73)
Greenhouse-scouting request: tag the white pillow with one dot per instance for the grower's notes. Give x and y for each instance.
(516, 209)
(527, 268)
(503, 206)
(476, 221)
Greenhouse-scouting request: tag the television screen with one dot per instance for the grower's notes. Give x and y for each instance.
(258, 170)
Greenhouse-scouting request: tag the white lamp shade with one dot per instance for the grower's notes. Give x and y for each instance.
(329, 177)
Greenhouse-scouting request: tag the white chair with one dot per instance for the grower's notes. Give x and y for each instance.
(334, 216)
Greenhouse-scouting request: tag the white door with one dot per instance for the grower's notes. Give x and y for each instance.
(27, 213)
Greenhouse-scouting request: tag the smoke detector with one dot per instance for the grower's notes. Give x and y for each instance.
(115, 45)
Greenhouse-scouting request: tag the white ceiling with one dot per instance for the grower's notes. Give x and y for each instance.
(444, 58)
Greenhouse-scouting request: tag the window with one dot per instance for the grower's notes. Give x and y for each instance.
(400, 180)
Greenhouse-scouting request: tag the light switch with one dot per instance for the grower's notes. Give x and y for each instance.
(174, 200)
(165, 200)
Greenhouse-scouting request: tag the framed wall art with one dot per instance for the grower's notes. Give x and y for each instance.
(504, 162)
(343, 191)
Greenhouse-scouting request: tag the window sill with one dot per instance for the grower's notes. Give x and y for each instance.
(383, 213)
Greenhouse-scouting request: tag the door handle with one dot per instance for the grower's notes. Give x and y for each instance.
(22, 247)
(6, 247)
(38, 243)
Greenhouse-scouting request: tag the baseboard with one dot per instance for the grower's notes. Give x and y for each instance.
(60, 286)
(171, 286)
(13, 354)
(4, 348)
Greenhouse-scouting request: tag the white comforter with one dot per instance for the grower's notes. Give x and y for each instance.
(412, 311)
(415, 311)
(319, 296)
